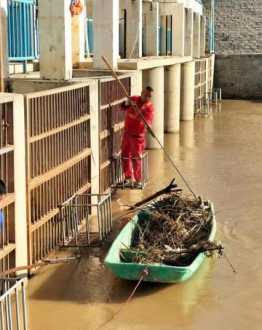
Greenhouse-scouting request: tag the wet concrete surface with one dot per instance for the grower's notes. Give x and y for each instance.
(221, 156)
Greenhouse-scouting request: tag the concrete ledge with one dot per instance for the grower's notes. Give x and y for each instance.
(152, 62)
(20, 67)
(239, 76)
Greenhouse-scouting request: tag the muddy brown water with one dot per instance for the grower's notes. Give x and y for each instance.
(221, 155)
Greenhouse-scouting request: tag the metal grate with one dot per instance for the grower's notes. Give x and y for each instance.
(76, 220)
(111, 126)
(7, 228)
(58, 160)
(13, 305)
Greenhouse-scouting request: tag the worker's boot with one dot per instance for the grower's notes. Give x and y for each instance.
(128, 182)
(138, 185)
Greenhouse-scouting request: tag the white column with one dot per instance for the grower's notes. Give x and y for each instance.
(55, 39)
(178, 26)
(21, 251)
(188, 91)
(134, 11)
(106, 32)
(189, 32)
(196, 51)
(3, 34)
(202, 36)
(172, 98)
(155, 79)
(79, 31)
(152, 30)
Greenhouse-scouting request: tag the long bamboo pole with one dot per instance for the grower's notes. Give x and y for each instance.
(135, 107)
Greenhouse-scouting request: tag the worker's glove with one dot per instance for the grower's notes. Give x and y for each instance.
(128, 102)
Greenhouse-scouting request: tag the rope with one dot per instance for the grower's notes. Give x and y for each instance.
(130, 297)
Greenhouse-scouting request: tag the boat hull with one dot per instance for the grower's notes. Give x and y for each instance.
(159, 273)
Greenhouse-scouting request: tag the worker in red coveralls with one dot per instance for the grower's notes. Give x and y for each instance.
(133, 143)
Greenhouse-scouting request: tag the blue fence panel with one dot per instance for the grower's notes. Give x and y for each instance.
(169, 41)
(22, 30)
(90, 35)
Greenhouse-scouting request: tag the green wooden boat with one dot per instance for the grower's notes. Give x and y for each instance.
(160, 273)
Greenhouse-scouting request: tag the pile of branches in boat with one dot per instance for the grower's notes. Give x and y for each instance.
(172, 231)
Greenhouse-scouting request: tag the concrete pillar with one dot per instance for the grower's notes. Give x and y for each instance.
(188, 91)
(134, 12)
(196, 50)
(152, 30)
(172, 98)
(178, 27)
(155, 79)
(202, 36)
(79, 37)
(106, 32)
(21, 252)
(163, 45)
(137, 83)
(3, 35)
(189, 31)
(55, 39)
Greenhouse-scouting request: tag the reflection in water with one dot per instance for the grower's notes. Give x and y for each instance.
(221, 156)
(187, 134)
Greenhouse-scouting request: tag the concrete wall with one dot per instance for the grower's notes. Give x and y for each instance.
(238, 33)
(239, 76)
(238, 27)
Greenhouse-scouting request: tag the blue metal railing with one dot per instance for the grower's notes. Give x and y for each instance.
(22, 30)
(90, 36)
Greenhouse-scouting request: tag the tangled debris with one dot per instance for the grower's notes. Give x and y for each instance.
(172, 231)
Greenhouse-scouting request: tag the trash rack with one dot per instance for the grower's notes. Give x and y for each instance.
(86, 220)
(13, 305)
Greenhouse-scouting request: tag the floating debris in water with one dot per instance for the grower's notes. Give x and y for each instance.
(172, 231)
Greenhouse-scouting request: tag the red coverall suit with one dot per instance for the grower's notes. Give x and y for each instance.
(133, 143)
